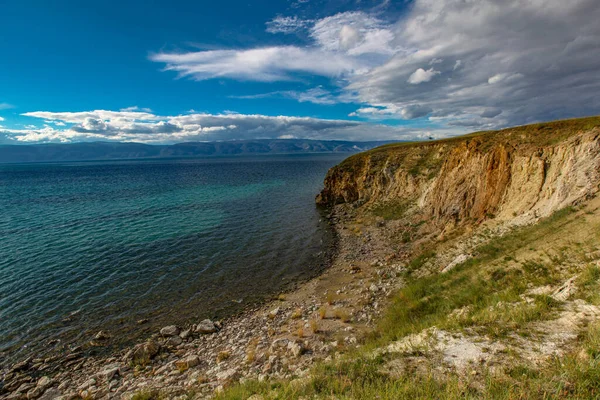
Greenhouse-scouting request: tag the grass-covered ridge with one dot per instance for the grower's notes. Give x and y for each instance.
(421, 156)
(493, 296)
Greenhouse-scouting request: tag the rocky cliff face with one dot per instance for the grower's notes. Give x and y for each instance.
(521, 172)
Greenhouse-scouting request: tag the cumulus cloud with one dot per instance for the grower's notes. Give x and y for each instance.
(150, 128)
(533, 60)
(420, 75)
(1, 119)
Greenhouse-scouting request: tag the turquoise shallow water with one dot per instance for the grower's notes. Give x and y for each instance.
(91, 246)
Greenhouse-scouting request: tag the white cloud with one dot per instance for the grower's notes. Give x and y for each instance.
(355, 33)
(420, 76)
(149, 128)
(316, 95)
(388, 111)
(1, 119)
(344, 45)
(6, 106)
(136, 108)
(104, 115)
(286, 25)
(485, 63)
(266, 64)
(533, 60)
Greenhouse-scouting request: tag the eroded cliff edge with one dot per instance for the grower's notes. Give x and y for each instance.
(516, 174)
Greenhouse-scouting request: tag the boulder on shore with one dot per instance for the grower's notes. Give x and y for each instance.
(171, 330)
(206, 326)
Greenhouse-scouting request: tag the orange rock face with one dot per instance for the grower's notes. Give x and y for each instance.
(505, 175)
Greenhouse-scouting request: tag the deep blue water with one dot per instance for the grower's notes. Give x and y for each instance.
(97, 246)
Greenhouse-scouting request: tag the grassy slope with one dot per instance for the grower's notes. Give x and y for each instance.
(500, 274)
(424, 156)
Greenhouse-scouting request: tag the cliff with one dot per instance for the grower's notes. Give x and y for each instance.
(521, 172)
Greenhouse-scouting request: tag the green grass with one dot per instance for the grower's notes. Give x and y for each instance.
(146, 395)
(572, 376)
(489, 287)
(588, 284)
(481, 282)
(390, 210)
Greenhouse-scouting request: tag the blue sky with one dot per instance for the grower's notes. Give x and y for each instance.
(173, 71)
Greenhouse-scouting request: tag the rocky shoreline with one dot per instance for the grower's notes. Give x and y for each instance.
(283, 338)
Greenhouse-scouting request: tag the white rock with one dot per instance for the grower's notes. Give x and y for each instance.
(274, 312)
(206, 326)
(461, 258)
(295, 348)
(227, 374)
(109, 372)
(565, 291)
(87, 384)
(185, 334)
(44, 382)
(188, 362)
(170, 330)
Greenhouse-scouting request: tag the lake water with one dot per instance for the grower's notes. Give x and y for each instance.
(98, 246)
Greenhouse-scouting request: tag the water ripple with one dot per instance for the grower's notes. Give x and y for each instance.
(92, 246)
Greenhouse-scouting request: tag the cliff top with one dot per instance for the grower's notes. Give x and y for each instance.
(538, 135)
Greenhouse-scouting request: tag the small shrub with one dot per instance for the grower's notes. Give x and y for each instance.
(322, 312)
(342, 315)
(145, 395)
(223, 355)
(314, 326)
(330, 298)
(251, 351)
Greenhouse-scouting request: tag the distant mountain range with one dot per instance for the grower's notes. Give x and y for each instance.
(112, 151)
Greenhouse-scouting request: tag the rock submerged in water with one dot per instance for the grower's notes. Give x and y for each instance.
(102, 336)
(206, 326)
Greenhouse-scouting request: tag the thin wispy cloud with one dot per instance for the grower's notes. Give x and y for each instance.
(267, 64)
(317, 95)
(286, 25)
